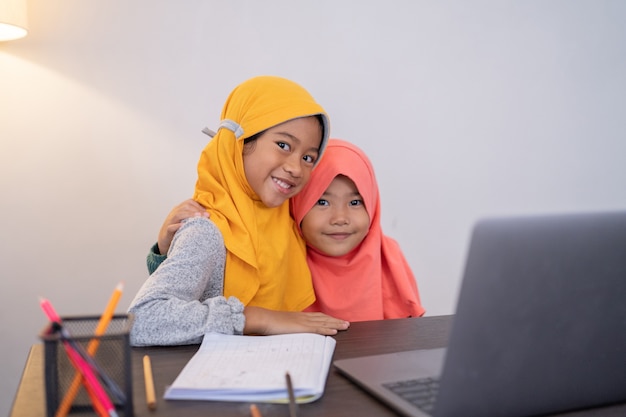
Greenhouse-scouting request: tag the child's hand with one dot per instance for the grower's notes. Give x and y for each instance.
(186, 209)
(265, 322)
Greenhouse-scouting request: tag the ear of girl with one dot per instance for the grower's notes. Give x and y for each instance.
(265, 263)
(374, 280)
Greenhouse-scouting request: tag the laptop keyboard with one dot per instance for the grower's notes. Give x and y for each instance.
(419, 392)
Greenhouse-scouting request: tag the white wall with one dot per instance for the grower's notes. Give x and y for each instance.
(467, 109)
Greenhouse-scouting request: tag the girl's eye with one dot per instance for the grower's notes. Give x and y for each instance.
(283, 145)
(309, 159)
(356, 202)
(322, 202)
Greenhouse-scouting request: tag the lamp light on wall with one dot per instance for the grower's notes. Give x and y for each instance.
(13, 19)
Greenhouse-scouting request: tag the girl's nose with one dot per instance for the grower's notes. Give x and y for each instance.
(340, 216)
(293, 166)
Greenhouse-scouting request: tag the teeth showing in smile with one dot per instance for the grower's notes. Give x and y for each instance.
(282, 184)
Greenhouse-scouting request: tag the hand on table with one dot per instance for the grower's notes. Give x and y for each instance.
(266, 322)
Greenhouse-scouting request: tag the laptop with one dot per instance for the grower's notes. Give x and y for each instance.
(539, 328)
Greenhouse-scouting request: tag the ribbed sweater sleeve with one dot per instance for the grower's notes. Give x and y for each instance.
(154, 258)
(182, 299)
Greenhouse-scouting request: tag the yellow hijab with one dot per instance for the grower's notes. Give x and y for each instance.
(266, 258)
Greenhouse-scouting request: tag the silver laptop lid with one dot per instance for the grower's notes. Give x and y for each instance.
(540, 325)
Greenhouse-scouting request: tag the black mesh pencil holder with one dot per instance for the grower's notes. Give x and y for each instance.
(112, 357)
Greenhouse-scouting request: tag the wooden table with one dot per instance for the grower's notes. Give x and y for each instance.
(341, 398)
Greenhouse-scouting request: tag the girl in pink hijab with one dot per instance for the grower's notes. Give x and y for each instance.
(358, 272)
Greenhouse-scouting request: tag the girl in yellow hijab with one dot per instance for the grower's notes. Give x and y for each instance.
(243, 270)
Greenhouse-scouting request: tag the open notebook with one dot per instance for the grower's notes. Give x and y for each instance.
(253, 368)
(540, 325)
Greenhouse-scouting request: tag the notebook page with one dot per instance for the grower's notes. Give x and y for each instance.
(233, 367)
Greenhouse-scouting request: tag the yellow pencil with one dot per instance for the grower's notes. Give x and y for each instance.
(92, 347)
(254, 411)
(149, 381)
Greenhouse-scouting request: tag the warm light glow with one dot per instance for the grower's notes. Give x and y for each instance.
(13, 20)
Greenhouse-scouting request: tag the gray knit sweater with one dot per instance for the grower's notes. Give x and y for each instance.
(182, 299)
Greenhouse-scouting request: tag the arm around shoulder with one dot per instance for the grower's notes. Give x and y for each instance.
(183, 299)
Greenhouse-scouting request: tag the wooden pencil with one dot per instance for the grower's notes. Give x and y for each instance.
(292, 397)
(149, 382)
(254, 411)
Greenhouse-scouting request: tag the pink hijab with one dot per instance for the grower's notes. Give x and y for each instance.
(374, 281)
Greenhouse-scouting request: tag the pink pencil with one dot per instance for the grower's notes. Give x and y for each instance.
(79, 363)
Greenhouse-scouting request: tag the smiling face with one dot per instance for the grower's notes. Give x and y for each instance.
(279, 163)
(338, 222)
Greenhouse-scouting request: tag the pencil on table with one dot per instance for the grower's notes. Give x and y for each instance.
(254, 411)
(292, 397)
(147, 373)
